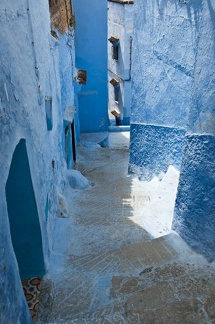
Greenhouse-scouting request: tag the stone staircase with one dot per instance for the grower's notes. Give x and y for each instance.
(158, 281)
(108, 266)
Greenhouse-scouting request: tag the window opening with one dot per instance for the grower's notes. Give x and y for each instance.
(82, 77)
(115, 52)
(115, 47)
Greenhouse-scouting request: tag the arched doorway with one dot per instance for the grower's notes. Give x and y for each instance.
(23, 216)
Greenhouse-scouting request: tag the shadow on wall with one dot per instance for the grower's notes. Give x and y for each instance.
(23, 216)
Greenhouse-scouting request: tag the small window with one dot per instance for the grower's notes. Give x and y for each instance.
(116, 94)
(82, 77)
(115, 46)
(115, 50)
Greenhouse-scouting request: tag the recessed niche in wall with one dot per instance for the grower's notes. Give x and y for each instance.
(48, 107)
(82, 77)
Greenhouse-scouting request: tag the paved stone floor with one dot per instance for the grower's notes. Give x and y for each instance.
(109, 266)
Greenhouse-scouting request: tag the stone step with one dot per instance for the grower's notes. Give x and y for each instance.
(134, 258)
(170, 293)
(158, 281)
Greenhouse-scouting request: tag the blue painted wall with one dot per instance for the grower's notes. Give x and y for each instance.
(153, 149)
(120, 24)
(23, 216)
(91, 55)
(162, 76)
(173, 115)
(34, 65)
(195, 204)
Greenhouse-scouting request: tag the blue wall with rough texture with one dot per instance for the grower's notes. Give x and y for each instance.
(162, 76)
(195, 204)
(31, 61)
(162, 63)
(91, 55)
(153, 149)
(173, 87)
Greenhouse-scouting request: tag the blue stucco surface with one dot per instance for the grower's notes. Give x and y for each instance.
(13, 305)
(173, 88)
(34, 66)
(154, 148)
(195, 209)
(162, 68)
(91, 56)
(23, 216)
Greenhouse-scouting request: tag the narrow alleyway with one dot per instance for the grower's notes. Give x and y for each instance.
(115, 259)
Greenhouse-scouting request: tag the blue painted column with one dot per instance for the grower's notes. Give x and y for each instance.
(194, 217)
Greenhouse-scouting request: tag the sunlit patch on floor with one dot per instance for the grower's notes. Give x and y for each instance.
(32, 288)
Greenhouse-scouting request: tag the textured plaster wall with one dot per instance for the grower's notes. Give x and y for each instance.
(91, 56)
(173, 108)
(194, 210)
(154, 149)
(163, 61)
(120, 24)
(29, 71)
(195, 202)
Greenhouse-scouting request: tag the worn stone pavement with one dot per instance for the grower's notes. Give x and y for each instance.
(106, 268)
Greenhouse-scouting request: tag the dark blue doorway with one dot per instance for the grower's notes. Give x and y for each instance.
(23, 216)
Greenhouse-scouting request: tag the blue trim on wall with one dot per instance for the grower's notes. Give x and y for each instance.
(194, 217)
(154, 148)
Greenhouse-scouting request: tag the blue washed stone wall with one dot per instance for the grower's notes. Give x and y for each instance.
(195, 204)
(162, 78)
(173, 87)
(163, 62)
(153, 149)
(29, 74)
